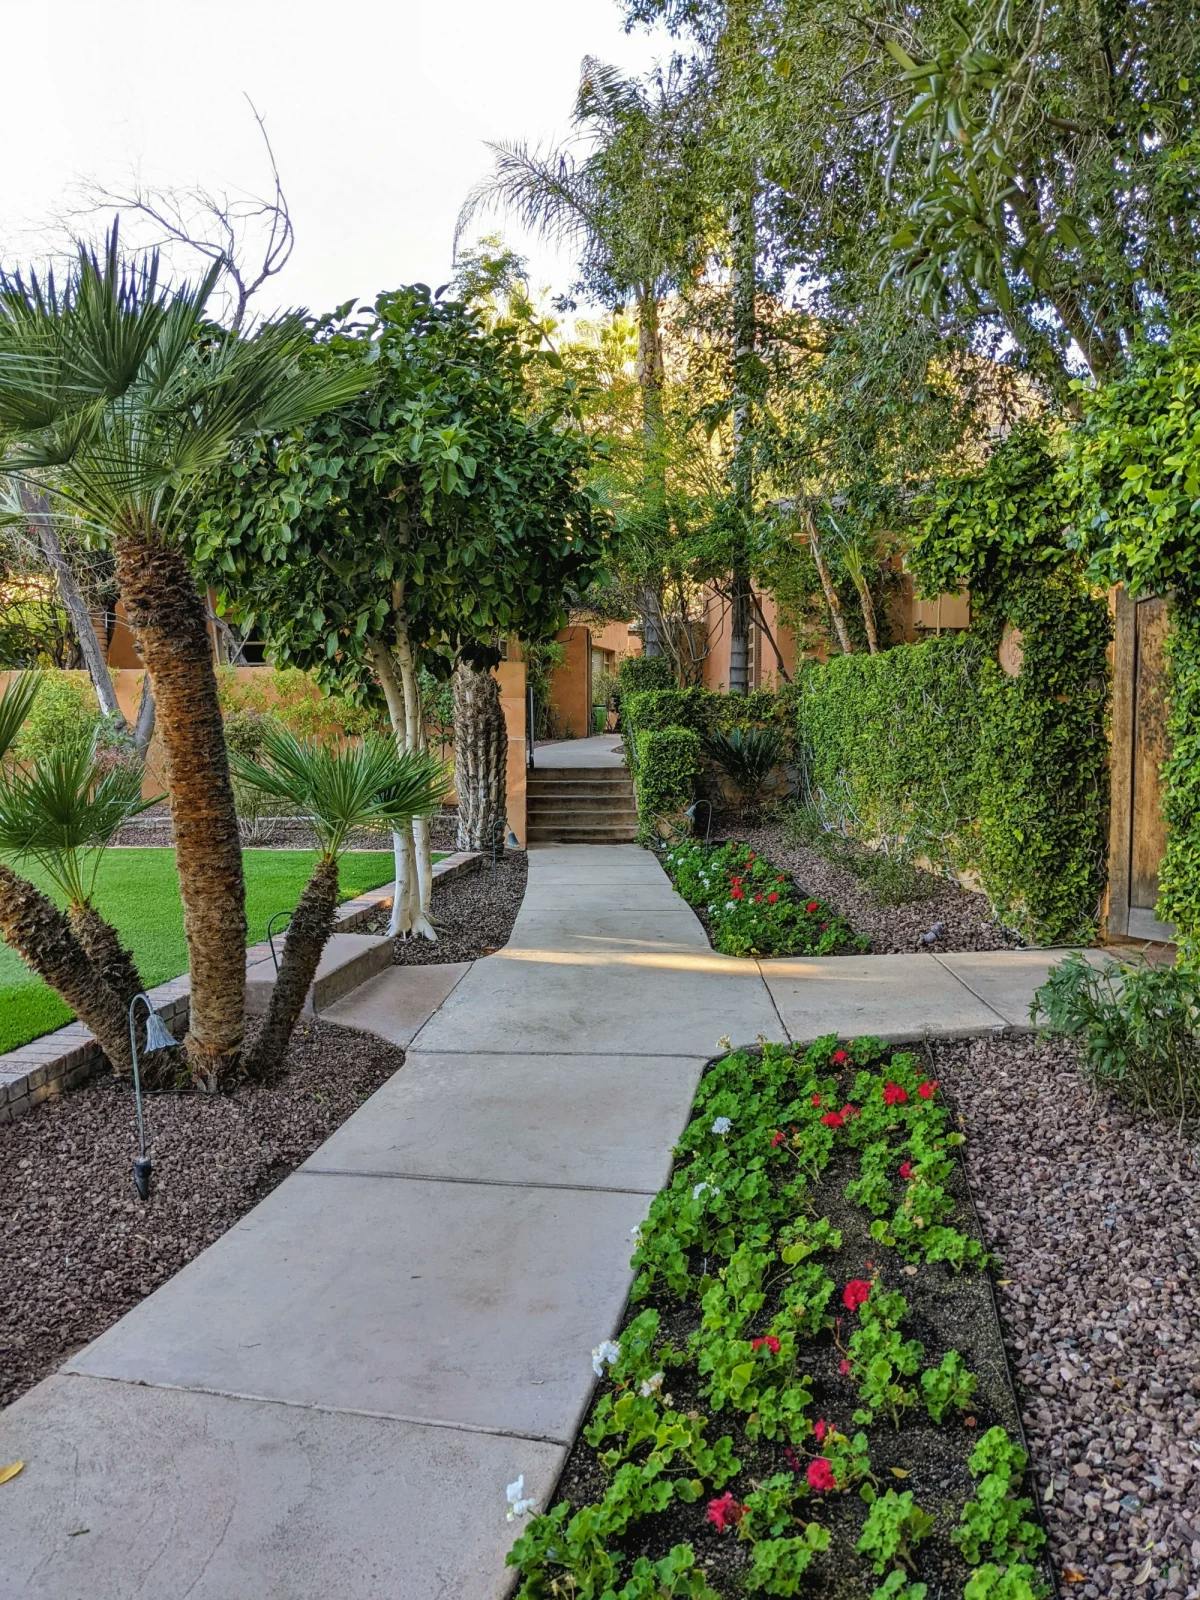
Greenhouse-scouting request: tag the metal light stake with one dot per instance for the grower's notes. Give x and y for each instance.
(691, 811)
(158, 1037)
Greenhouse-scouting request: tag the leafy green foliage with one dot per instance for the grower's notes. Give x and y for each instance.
(638, 673)
(1136, 1028)
(1179, 877)
(777, 1566)
(693, 708)
(895, 1526)
(996, 1523)
(1018, 1582)
(665, 774)
(63, 717)
(947, 1385)
(746, 755)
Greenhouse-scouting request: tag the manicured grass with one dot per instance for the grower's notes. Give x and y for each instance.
(139, 894)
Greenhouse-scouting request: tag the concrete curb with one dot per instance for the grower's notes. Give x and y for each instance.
(45, 1067)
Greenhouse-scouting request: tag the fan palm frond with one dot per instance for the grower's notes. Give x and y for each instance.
(15, 705)
(367, 785)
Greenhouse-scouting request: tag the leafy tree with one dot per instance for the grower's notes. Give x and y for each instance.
(421, 526)
(117, 398)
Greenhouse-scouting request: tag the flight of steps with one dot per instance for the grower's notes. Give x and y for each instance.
(580, 805)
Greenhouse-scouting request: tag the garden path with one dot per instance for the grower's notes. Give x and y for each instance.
(333, 1397)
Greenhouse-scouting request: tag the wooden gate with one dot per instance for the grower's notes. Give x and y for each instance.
(1138, 834)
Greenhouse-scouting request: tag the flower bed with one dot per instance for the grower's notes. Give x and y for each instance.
(811, 1396)
(750, 908)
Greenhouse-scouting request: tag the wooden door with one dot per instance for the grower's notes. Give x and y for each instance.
(1138, 834)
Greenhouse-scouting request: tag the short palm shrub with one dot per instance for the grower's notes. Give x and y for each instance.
(1138, 1028)
(747, 756)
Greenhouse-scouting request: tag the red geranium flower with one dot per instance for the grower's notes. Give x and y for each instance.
(928, 1089)
(758, 899)
(833, 1119)
(820, 1429)
(894, 1095)
(855, 1293)
(840, 1057)
(849, 1111)
(725, 1512)
(768, 1339)
(777, 1138)
(844, 1367)
(905, 1170)
(816, 1100)
(813, 905)
(736, 894)
(820, 1475)
(772, 897)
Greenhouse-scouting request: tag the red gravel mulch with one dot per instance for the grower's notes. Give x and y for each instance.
(77, 1247)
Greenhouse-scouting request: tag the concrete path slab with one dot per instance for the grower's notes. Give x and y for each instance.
(1006, 980)
(600, 750)
(131, 1493)
(460, 1303)
(899, 997)
(398, 1002)
(587, 1121)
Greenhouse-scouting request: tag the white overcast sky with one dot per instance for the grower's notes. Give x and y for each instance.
(378, 110)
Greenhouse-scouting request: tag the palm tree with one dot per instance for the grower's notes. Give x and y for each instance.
(64, 815)
(117, 396)
(372, 785)
(630, 202)
(42, 934)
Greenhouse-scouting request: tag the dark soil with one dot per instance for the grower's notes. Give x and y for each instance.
(966, 919)
(946, 1310)
(473, 913)
(1095, 1212)
(77, 1247)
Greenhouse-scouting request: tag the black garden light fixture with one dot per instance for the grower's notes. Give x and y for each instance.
(158, 1037)
(691, 813)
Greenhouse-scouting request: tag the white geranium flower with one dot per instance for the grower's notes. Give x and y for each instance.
(518, 1504)
(635, 1233)
(651, 1385)
(604, 1354)
(721, 1125)
(703, 1189)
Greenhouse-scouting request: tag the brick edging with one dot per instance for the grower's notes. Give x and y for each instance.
(46, 1066)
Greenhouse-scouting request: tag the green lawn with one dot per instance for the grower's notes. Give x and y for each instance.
(138, 892)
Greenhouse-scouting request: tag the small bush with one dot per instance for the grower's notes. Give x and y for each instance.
(668, 764)
(65, 716)
(747, 756)
(1136, 1026)
(636, 673)
(693, 708)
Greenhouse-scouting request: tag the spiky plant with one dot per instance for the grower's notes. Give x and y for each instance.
(748, 756)
(371, 785)
(64, 814)
(34, 926)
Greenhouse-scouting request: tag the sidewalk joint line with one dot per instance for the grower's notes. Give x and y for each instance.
(1005, 1025)
(316, 1405)
(774, 1003)
(484, 1183)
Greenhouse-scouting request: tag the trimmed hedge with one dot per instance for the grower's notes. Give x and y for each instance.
(665, 773)
(934, 749)
(670, 708)
(635, 673)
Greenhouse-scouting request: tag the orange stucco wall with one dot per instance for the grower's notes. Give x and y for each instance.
(764, 672)
(571, 681)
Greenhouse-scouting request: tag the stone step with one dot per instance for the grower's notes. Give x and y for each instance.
(595, 835)
(605, 775)
(348, 960)
(580, 791)
(582, 816)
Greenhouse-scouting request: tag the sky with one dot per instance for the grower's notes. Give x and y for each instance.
(378, 111)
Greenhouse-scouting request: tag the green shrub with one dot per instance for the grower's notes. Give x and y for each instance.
(635, 673)
(65, 716)
(747, 756)
(1136, 1027)
(1179, 878)
(693, 708)
(667, 766)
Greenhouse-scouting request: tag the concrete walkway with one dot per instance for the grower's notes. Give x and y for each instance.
(600, 750)
(333, 1397)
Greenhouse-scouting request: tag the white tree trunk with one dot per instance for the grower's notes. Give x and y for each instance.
(412, 894)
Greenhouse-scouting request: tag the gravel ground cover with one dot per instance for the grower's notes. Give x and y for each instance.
(1094, 1211)
(78, 1249)
(966, 918)
(473, 914)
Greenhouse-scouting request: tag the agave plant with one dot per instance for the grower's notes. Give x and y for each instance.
(35, 927)
(64, 814)
(746, 755)
(341, 790)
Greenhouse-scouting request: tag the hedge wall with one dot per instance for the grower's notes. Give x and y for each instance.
(934, 749)
(666, 766)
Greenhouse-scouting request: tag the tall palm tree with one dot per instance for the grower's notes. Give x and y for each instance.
(373, 785)
(626, 192)
(42, 934)
(117, 395)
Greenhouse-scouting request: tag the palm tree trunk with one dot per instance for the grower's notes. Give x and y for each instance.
(42, 936)
(650, 378)
(480, 756)
(308, 934)
(167, 616)
(107, 954)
